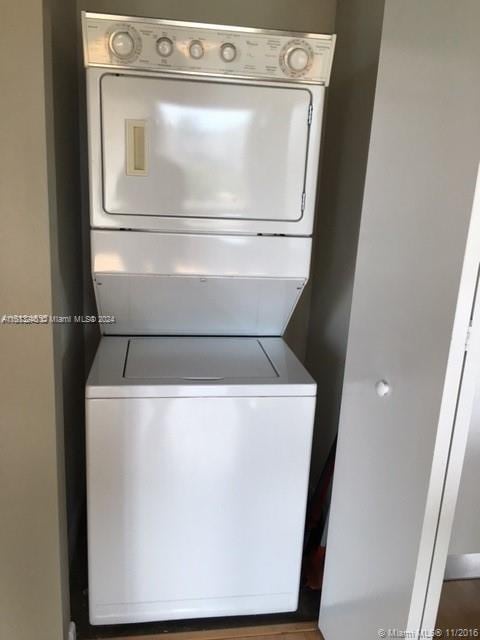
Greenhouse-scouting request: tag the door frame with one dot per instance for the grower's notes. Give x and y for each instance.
(462, 373)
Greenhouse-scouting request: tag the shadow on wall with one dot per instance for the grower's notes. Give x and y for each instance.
(66, 248)
(342, 178)
(303, 15)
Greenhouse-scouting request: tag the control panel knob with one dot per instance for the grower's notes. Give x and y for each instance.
(196, 50)
(164, 47)
(122, 44)
(228, 52)
(298, 59)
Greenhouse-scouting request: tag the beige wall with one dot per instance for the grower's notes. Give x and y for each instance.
(36, 276)
(30, 534)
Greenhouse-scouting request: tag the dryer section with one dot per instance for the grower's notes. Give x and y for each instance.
(201, 128)
(183, 149)
(202, 155)
(185, 284)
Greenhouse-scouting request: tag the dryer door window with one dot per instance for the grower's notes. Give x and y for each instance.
(203, 149)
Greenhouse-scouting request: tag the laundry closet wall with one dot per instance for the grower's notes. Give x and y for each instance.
(40, 266)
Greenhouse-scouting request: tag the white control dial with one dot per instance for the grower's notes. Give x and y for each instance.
(196, 50)
(298, 59)
(122, 44)
(164, 47)
(228, 52)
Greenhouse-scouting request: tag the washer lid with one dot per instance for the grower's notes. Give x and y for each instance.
(197, 359)
(179, 284)
(168, 367)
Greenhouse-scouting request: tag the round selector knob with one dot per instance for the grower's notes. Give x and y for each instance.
(298, 59)
(122, 44)
(164, 47)
(196, 50)
(228, 52)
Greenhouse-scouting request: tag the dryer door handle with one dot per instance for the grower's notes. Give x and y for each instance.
(136, 147)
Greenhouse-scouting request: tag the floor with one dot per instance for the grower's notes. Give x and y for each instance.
(460, 607)
(295, 631)
(295, 635)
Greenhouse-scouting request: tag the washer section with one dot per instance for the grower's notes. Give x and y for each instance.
(200, 479)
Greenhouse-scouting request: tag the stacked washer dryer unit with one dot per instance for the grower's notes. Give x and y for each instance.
(203, 155)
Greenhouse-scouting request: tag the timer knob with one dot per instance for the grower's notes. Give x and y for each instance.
(122, 44)
(164, 47)
(298, 59)
(196, 50)
(228, 52)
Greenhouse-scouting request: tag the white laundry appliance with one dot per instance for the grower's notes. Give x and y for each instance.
(203, 157)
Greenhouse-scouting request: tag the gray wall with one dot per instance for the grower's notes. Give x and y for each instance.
(66, 235)
(342, 177)
(303, 15)
(33, 582)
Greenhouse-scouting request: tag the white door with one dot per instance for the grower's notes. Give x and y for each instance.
(394, 496)
(410, 366)
(202, 149)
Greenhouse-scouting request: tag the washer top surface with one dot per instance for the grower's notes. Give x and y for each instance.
(197, 359)
(159, 367)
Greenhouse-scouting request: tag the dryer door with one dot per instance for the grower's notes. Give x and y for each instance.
(189, 150)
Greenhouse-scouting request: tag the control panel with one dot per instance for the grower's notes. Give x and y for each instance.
(183, 47)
